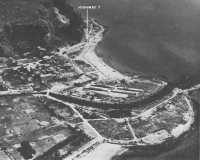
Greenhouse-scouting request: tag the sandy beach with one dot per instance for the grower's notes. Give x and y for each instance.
(89, 55)
(104, 151)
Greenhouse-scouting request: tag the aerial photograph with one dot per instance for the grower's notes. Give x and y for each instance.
(99, 79)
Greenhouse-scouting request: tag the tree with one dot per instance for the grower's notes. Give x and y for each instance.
(11, 62)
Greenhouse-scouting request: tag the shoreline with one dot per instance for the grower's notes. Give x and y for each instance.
(108, 71)
(92, 57)
(110, 146)
(126, 70)
(89, 55)
(113, 63)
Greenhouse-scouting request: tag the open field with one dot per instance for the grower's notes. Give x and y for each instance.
(36, 122)
(165, 121)
(112, 129)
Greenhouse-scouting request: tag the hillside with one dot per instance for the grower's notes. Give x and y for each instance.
(27, 24)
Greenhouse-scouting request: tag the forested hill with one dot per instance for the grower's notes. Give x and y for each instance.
(27, 24)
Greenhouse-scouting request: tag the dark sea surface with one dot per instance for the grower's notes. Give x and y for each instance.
(158, 37)
(155, 37)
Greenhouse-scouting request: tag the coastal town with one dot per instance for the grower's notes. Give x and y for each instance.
(69, 104)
